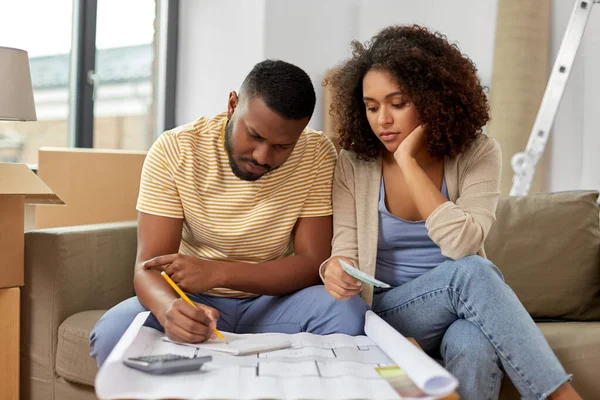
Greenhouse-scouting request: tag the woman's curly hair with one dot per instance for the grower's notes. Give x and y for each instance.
(437, 78)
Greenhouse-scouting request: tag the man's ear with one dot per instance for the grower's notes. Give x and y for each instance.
(231, 104)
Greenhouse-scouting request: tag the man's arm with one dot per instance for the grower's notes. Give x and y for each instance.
(312, 246)
(156, 236)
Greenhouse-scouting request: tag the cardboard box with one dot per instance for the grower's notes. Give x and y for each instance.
(18, 186)
(98, 185)
(9, 345)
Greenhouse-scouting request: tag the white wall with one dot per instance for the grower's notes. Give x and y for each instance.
(591, 109)
(219, 43)
(576, 135)
(471, 24)
(313, 34)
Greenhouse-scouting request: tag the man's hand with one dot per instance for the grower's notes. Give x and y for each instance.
(183, 323)
(338, 283)
(191, 274)
(411, 145)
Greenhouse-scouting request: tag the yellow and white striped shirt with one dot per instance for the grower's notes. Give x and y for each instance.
(187, 175)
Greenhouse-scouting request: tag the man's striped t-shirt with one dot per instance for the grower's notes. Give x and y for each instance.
(187, 175)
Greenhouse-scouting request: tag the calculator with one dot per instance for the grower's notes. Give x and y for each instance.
(163, 364)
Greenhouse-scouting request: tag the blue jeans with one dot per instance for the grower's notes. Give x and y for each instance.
(308, 310)
(463, 312)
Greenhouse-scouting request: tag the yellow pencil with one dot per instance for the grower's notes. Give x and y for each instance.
(187, 300)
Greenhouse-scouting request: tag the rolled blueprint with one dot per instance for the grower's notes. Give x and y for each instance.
(425, 372)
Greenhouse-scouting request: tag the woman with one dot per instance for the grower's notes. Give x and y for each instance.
(415, 193)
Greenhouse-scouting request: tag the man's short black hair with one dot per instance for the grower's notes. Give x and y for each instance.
(285, 88)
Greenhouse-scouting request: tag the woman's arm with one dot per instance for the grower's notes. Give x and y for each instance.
(345, 240)
(423, 191)
(460, 228)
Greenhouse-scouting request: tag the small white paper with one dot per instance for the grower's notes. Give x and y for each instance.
(240, 345)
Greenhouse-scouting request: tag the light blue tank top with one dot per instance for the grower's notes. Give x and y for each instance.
(404, 249)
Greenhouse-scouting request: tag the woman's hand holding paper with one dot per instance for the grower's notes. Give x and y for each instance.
(338, 283)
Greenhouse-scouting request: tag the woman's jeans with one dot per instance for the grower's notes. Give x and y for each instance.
(464, 312)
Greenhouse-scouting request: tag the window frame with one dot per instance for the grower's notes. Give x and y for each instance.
(82, 78)
(168, 21)
(81, 74)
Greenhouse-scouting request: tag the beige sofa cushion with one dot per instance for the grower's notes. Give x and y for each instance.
(548, 248)
(73, 360)
(68, 270)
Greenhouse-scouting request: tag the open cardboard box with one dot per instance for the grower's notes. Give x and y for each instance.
(18, 186)
(98, 185)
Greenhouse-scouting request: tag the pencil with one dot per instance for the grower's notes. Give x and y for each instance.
(187, 300)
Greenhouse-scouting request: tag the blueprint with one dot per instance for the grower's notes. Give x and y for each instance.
(313, 367)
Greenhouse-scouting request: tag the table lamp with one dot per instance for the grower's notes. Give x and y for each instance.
(18, 186)
(16, 91)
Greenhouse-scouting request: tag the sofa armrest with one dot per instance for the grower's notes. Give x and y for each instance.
(69, 270)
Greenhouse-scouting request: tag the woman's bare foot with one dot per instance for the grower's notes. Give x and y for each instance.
(565, 392)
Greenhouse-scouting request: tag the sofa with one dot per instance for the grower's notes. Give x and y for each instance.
(547, 246)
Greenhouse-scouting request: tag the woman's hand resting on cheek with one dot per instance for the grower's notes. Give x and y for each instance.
(338, 283)
(411, 145)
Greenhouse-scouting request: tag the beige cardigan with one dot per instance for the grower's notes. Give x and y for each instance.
(459, 226)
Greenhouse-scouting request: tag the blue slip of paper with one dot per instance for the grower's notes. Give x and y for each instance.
(361, 276)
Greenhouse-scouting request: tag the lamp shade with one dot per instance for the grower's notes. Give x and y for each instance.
(16, 91)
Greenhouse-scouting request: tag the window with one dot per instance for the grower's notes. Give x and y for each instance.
(103, 73)
(124, 74)
(49, 47)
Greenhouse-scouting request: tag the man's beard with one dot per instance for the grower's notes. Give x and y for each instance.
(237, 171)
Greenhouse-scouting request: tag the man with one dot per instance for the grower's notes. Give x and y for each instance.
(237, 210)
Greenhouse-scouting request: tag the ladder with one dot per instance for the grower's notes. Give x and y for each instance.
(523, 163)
